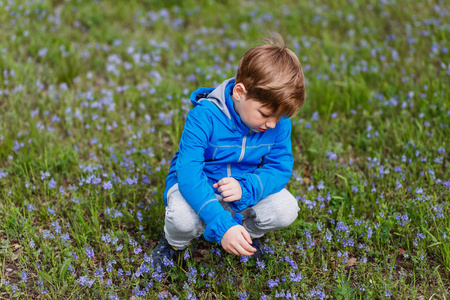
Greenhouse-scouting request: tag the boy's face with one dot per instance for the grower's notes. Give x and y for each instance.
(252, 113)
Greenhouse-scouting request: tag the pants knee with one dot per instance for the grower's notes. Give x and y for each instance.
(286, 212)
(181, 223)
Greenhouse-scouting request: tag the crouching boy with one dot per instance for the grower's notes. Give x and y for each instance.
(227, 180)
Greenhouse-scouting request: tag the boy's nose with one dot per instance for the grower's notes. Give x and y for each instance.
(271, 124)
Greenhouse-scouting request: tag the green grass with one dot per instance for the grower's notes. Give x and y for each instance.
(97, 92)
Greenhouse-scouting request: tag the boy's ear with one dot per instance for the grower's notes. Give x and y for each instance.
(239, 91)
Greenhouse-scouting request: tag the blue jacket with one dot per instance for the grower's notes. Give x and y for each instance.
(216, 144)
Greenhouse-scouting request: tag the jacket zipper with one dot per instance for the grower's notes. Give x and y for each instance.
(241, 157)
(244, 140)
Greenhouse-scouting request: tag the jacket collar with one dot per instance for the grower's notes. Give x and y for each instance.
(221, 97)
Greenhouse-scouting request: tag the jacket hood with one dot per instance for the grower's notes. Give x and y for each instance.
(214, 95)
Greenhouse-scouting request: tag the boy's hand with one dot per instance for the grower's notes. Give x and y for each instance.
(229, 189)
(237, 241)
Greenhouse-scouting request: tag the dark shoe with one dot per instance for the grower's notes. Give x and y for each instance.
(163, 257)
(259, 254)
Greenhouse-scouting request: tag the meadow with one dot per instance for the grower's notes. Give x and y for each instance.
(93, 97)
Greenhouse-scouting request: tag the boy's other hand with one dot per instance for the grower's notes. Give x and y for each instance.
(229, 189)
(237, 241)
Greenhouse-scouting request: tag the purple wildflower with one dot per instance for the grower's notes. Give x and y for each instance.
(89, 252)
(331, 155)
(65, 237)
(106, 238)
(47, 234)
(24, 276)
(296, 277)
(272, 283)
(107, 185)
(44, 175)
(84, 281)
(320, 186)
(51, 184)
(260, 264)
(242, 296)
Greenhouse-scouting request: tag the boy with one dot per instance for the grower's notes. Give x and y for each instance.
(227, 179)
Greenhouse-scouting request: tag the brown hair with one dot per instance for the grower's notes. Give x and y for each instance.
(273, 76)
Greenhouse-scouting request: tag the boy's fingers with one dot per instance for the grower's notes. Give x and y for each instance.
(224, 188)
(223, 181)
(227, 193)
(243, 251)
(247, 249)
(247, 237)
(230, 198)
(233, 251)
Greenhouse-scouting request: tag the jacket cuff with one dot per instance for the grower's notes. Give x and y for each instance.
(215, 229)
(245, 200)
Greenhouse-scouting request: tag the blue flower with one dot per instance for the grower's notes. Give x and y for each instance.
(369, 233)
(317, 293)
(296, 277)
(84, 281)
(420, 235)
(272, 283)
(51, 184)
(242, 296)
(56, 226)
(3, 174)
(46, 234)
(320, 186)
(402, 219)
(42, 52)
(107, 185)
(65, 237)
(24, 276)
(192, 275)
(89, 252)
(260, 264)
(331, 155)
(106, 238)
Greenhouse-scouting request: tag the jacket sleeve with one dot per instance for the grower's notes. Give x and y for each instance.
(192, 181)
(274, 173)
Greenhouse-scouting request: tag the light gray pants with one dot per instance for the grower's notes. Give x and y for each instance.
(183, 224)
